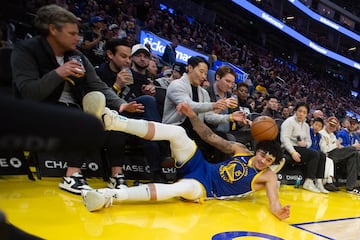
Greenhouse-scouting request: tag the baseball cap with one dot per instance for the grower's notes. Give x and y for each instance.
(139, 48)
(353, 119)
(113, 26)
(333, 121)
(179, 67)
(96, 19)
(167, 72)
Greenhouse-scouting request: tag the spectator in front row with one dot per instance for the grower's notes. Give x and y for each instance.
(295, 137)
(348, 156)
(316, 126)
(187, 89)
(42, 72)
(348, 136)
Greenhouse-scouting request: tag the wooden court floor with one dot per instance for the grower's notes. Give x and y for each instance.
(40, 208)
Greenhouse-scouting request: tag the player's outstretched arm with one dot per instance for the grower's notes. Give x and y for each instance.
(204, 131)
(268, 180)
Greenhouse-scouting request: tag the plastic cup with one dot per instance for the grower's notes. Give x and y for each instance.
(130, 78)
(81, 71)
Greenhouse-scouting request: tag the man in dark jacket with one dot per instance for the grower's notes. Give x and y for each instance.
(48, 68)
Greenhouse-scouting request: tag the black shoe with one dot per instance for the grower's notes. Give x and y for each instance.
(117, 181)
(331, 187)
(74, 183)
(355, 190)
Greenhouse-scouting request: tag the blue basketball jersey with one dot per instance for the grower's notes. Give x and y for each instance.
(231, 178)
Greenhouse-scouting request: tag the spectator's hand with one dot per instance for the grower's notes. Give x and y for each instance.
(248, 122)
(301, 143)
(239, 117)
(185, 108)
(338, 144)
(296, 156)
(148, 89)
(219, 105)
(70, 68)
(132, 107)
(98, 32)
(356, 145)
(232, 102)
(122, 78)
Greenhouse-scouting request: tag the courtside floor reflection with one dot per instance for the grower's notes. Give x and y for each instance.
(40, 208)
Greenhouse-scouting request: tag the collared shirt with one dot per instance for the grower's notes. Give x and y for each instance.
(291, 130)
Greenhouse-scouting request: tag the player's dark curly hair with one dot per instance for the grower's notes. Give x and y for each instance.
(272, 147)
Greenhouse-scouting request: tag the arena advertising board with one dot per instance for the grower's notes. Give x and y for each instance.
(158, 45)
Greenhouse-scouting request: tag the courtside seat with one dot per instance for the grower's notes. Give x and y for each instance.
(291, 171)
(11, 162)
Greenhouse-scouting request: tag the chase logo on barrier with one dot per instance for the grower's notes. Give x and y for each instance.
(12, 164)
(158, 45)
(135, 166)
(52, 165)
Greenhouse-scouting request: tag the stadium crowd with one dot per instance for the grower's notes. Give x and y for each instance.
(269, 75)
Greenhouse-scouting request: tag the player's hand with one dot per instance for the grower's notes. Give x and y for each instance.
(132, 107)
(185, 108)
(283, 212)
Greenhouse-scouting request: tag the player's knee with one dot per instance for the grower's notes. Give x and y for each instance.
(191, 189)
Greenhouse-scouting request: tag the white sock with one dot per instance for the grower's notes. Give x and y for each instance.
(188, 189)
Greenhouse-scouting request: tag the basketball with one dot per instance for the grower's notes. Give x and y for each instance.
(264, 128)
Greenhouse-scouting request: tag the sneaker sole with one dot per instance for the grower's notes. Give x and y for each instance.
(64, 187)
(93, 201)
(353, 193)
(94, 103)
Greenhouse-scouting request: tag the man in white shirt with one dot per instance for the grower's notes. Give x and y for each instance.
(339, 154)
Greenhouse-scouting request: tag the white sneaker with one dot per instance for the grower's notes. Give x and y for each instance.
(277, 167)
(97, 199)
(320, 186)
(309, 185)
(74, 183)
(113, 121)
(94, 103)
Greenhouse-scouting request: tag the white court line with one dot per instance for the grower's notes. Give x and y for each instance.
(345, 228)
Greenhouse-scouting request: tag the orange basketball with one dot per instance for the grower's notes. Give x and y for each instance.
(264, 128)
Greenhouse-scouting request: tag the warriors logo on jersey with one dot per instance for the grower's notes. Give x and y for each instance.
(233, 170)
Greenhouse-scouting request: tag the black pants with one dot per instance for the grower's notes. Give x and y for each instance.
(314, 161)
(349, 157)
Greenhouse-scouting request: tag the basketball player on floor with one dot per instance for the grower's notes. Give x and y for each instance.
(241, 174)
